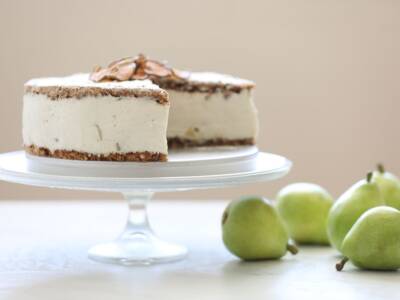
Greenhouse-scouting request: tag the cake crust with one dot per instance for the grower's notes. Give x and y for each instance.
(144, 156)
(177, 143)
(76, 92)
(208, 88)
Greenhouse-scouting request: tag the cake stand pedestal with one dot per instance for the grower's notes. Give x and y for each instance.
(197, 168)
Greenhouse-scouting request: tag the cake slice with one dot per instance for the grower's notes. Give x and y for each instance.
(76, 118)
(207, 109)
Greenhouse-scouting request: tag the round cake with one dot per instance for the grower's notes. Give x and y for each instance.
(135, 109)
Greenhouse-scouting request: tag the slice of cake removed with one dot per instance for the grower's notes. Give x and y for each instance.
(76, 118)
(207, 109)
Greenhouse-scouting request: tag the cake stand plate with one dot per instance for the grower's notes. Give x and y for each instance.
(187, 169)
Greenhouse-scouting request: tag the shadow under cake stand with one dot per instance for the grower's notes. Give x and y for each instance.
(187, 169)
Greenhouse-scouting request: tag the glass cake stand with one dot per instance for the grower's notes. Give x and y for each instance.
(196, 168)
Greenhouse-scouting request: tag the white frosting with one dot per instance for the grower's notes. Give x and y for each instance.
(216, 78)
(99, 125)
(82, 80)
(192, 116)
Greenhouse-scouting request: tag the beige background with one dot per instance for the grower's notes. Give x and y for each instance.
(327, 72)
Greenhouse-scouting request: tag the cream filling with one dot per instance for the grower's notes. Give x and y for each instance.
(98, 125)
(196, 116)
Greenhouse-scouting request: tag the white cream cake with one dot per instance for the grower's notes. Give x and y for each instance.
(135, 109)
(76, 118)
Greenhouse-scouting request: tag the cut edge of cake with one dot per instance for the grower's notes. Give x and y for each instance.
(224, 111)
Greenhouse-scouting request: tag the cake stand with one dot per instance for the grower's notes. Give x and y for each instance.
(196, 168)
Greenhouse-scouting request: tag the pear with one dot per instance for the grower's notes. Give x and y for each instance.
(374, 240)
(362, 196)
(253, 230)
(389, 185)
(304, 208)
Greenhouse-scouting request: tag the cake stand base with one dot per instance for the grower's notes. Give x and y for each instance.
(137, 245)
(186, 169)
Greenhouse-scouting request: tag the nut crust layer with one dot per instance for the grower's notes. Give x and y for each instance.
(76, 155)
(68, 92)
(178, 143)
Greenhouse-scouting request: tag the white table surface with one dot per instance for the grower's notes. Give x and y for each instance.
(43, 248)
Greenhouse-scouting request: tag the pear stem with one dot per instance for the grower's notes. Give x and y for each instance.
(340, 265)
(224, 217)
(369, 177)
(381, 168)
(292, 249)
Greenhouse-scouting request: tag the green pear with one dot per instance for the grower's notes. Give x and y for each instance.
(362, 196)
(389, 185)
(253, 230)
(304, 208)
(374, 240)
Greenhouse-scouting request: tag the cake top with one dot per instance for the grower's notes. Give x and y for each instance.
(217, 78)
(83, 80)
(140, 67)
(79, 86)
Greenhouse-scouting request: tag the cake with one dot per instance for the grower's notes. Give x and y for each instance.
(76, 118)
(134, 110)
